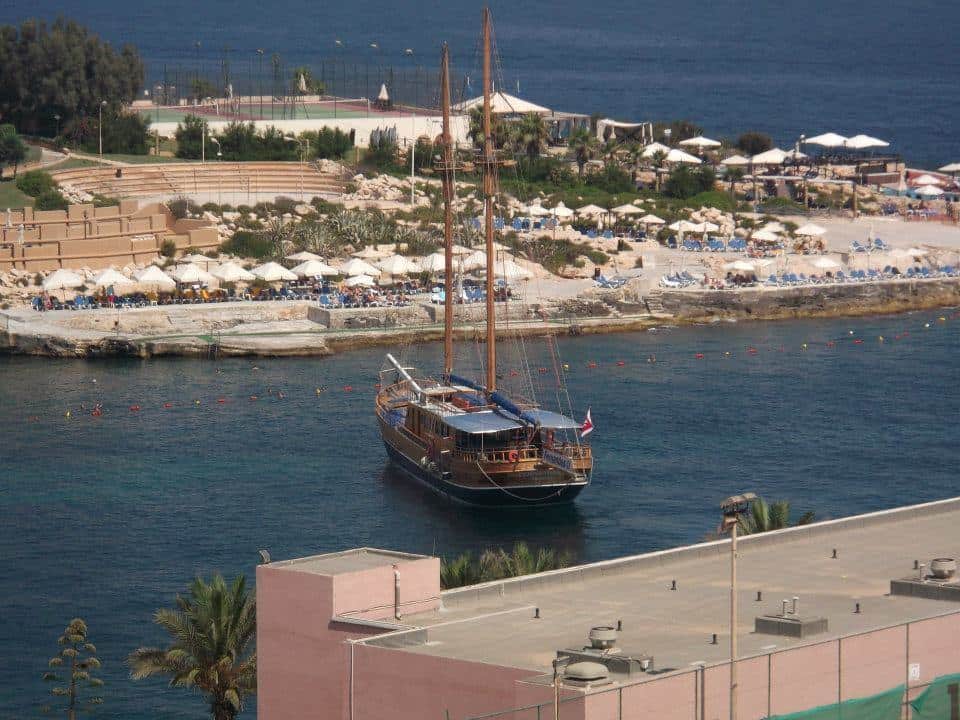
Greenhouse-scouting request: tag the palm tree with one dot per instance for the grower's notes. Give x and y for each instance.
(475, 128)
(212, 632)
(583, 147)
(498, 564)
(764, 517)
(529, 135)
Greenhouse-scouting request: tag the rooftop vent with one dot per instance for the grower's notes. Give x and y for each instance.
(603, 637)
(586, 672)
(938, 582)
(602, 650)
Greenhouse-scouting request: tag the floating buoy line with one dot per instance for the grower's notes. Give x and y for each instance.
(851, 339)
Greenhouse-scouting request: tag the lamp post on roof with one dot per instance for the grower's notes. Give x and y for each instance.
(732, 508)
(100, 107)
(559, 665)
(667, 132)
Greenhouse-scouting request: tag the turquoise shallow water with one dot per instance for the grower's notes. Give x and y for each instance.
(107, 518)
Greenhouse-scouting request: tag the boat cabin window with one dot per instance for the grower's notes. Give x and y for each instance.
(488, 441)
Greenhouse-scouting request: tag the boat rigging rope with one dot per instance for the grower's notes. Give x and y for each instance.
(514, 495)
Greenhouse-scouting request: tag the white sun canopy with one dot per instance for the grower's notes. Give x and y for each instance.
(111, 277)
(651, 220)
(628, 210)
(653, 148)
(700, 142)
(774, 156)
(312, 268)
(503, 104)
(735, 160)
(862, 142)
(951, 168)
(829, 140)
(396, 265)
(926, 180)
(679, 156)
(360, 281)
(231, 272)
(591, 210)
(930, 191)
(810, 230)
(190, 274)
(155, 276)
(358, 267)
(303, 256)
(62, 279)
(273, 272)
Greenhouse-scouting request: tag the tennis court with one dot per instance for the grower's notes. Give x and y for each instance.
(226, 110)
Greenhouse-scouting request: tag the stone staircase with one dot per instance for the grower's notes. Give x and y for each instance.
(654, 303)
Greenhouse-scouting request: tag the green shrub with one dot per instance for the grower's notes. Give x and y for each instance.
(685, 183)
(105, 201)
(168, 248)
(715, 199)
(284, 204)
(51, 200)
(248, 244)
(754, 143)
(182, 207)
(35, 183)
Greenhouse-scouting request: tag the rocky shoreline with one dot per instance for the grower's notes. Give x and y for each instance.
(303, 330)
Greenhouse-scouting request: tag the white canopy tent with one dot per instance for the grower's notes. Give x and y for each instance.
(930, 191)
(700, 142)
(152, 275)
(830, 140)
(61, 280)
(111, 277)
(627, 209)
(197, 259)
(735, 161)
(358, 267)
(360, 281)
(774, 156)
(653, 148)
(273, 272)
(765, 236)
(810, 230)
(509, 270)
(951, 168)
(231, 272)
(191, 274)
(313, 268)
(396, 265)
(679, 156)
(926, 179)
(591, 210)
(536, 210)
(503, 104)
(651, 220)
(562, 211)
(433, 263)
(683, 226)
(474, 261)
(863, 142)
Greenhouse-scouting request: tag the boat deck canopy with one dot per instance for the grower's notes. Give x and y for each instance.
(481, 422)
(552, 420)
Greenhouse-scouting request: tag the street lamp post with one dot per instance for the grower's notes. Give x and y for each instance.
(100, 128)
(219, 171)
(299, 142)
(57, 118)
(260, 53)
(732, 508)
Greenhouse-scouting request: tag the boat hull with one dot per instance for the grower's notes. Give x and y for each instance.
(514, 496)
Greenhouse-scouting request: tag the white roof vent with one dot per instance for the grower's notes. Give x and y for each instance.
(586, 672)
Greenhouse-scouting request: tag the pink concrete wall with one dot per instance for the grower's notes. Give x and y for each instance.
(804, 677)
(935, 646)
(665, 698)
(872, 663)
(369, 594)
(396, 685)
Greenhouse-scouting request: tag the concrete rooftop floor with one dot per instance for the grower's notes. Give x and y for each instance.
(497, 626)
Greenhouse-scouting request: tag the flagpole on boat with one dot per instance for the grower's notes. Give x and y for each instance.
(488, 189)
(448, 197)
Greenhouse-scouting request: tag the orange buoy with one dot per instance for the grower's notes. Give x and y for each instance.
(221, 401)
(134, 408)
(858, 342)
(514, 456)
(168, 405)
(620, 363)
(699, 356)
(347, 388)
(543, 371)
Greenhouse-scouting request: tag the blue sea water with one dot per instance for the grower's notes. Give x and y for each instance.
(108, 518)
(886, 69)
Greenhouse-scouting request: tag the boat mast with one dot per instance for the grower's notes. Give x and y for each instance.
(448, 197)
(488, 189)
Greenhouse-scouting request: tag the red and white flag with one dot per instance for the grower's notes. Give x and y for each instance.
(587, 426)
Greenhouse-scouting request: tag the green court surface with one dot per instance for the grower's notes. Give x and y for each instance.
(276, 111)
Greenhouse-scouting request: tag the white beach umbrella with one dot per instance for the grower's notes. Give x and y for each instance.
(930, 191)
(509, 270)
(774, 227)
(562, 211)
(111, 277)
(794, 155)
(810, 230)
(474, 261)
(61, 280)
(197, 259)
(739, 266)
(313, 268)
(679, 156)
(395, 265)
(682, 226)
(774, 156)
(536, 210)
(273, 272)
(191, 274)
(736, 160)
(303, 256)
(765, 236)
(829, 139)
(359, 267)
(591, 210)
(951, 168)
(153, 275)
(433, 263)
(651, 220)
(862, 142)
(926, 179)
(916, 252)
(707, 227)
(627, 210)
(653, 148)
(825, 263)
(231, 272)
(360, 280)
(700, 142)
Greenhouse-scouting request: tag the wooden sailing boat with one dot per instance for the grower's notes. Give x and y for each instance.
(464, 439)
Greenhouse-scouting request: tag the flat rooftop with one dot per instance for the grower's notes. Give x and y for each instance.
(348, 561)
(494, 623)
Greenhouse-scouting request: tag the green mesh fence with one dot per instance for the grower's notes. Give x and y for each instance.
(940, 701)
(885, 706)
